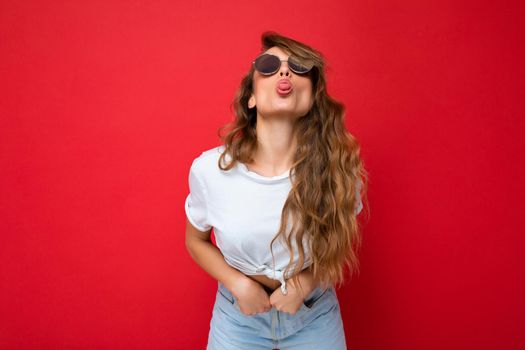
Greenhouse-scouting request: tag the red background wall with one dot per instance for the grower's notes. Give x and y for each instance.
(106, 103)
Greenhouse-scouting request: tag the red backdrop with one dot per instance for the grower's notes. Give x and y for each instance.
(106, 103)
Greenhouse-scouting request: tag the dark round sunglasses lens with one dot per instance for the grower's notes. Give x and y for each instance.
(267, 64)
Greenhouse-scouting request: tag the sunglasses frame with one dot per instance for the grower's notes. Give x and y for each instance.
(279, 67)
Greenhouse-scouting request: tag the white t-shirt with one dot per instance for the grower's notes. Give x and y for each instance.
(244, 209)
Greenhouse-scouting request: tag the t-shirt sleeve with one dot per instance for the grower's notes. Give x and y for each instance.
(359, 206)
(195, 205)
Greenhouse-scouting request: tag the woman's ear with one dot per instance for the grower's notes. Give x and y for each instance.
(251, 102)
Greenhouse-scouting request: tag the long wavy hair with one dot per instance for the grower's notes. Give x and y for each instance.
(326, 173)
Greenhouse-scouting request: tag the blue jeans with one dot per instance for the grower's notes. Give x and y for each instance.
(316, 325)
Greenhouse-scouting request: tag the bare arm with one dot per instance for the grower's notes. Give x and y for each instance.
(210, 259)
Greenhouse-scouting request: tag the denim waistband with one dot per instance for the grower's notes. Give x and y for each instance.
(310, 298)
(277, 324)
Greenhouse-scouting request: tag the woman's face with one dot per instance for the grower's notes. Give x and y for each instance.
(272, 96)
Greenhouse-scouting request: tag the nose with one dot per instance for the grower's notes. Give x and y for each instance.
(284, 70)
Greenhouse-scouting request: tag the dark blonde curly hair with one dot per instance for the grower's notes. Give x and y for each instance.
(327, 172)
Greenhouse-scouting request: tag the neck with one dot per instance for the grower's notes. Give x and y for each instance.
(276, 144)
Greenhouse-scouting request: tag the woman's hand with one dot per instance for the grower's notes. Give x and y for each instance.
(295, 297)
(291, 302)
(251, 296)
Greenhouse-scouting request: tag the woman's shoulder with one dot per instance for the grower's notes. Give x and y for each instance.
(208, 159)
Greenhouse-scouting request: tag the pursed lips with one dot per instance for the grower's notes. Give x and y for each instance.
(284, 87)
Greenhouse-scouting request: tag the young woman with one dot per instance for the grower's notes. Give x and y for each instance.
(282, 194)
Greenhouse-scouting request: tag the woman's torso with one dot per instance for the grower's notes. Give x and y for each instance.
(244, 208)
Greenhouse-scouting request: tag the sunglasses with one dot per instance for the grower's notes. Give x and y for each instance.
(268, 64)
